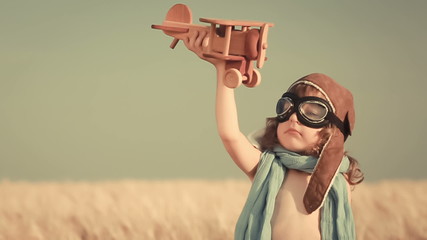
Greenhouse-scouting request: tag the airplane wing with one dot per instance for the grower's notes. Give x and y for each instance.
(171, 29)
(234, 22)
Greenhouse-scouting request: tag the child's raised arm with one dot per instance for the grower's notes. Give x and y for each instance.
(243, 153)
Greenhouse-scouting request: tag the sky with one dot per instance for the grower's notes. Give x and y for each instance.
(88, 91)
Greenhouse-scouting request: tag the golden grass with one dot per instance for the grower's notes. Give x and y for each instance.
(184, 209)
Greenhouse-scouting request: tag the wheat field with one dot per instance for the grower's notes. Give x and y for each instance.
(182, 209)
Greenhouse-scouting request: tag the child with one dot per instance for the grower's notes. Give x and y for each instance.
(300, 172)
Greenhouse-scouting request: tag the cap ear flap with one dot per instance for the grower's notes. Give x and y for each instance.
(324, 173)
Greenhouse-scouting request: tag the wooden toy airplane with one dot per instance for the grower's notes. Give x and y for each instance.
(239, 43)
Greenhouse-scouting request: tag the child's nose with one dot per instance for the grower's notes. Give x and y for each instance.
(293, 118)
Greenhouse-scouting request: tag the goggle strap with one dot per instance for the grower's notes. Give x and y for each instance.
(337, 122)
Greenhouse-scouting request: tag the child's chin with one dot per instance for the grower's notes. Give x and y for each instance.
(293, 147)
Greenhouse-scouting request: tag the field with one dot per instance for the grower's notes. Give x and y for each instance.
(182, 209)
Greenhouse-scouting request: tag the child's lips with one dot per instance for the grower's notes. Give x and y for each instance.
(292, 131)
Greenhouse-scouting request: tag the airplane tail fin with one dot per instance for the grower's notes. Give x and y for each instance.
(179, 13)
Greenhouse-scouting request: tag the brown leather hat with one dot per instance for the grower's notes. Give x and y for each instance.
(332, 153)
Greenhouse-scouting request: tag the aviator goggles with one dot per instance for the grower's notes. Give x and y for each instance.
(313, 112)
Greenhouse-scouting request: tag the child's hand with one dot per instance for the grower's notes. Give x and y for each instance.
(197, 42)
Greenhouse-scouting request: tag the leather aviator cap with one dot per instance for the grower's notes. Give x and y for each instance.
(332, 153)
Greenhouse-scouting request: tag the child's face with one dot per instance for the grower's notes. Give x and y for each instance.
(295, 137)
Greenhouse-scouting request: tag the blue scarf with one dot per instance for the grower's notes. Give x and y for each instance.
(254, 222)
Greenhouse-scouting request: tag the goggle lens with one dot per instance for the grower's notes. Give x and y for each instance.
(284, 105)
(313, 111)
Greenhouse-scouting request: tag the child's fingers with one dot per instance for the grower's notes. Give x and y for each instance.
(205, 42)
(189, 40)
(199, 39)
(193, 38)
